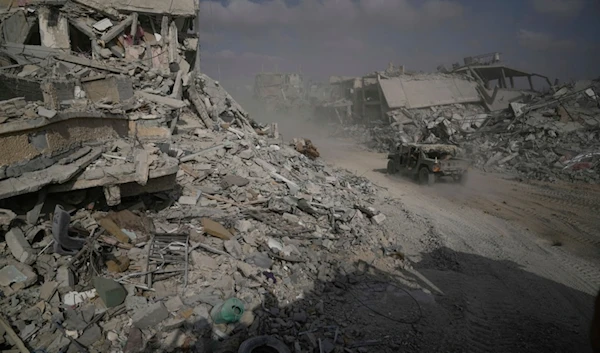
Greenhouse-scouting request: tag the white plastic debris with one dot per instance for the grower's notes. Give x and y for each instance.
(75, 298)
(103, 25)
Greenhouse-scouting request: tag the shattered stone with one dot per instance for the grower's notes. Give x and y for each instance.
(135, 341)
(173, 323)
(243, 226)
(47, 290)
(90, 336)
(231, 180)
(291, 218)
(260, 259)
(204, 262)
(134, 303)
(150, 316)
(174, 304)
(46, 113)
(246, 269)
(19, 246)
(233, 248)
(379, 218)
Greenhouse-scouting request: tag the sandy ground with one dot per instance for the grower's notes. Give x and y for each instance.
(513, 266)
(499, 265)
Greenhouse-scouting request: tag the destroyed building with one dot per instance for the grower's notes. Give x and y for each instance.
(137, 197)
(506, 122)
(280, 92)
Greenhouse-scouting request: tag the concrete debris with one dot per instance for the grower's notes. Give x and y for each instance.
(19, 247)
(151, 195)
(536, 137)
(150, 316)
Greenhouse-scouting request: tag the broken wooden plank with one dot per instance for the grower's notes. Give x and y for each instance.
(116, 30)
(114, 230)
(89, 63)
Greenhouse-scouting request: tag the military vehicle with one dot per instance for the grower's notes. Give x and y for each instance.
(428, 162)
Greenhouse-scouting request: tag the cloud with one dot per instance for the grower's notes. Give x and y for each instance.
(539, 41)
(559, 8)
(327, 14)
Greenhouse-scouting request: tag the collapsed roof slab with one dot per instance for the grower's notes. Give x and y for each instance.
(402, 92)
(179, 8)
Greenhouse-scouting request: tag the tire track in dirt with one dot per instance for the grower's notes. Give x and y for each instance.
(505, 289)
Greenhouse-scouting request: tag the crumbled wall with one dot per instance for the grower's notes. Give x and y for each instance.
(60, 136)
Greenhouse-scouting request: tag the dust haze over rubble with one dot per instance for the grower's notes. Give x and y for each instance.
(154, 198)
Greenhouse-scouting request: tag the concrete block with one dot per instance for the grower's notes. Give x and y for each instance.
(47, 290)
(17, 276)
(233, 248)
(150, 316)
(46, 113)
(65, 277)
(246, 269)
(134, 303)
(379, 218)
(90, 336)
(19, 246)
(234, 180)
(203, 261)
(291, 218)
(173, 323)
(215, 229)
(112, 293)
(174, 304)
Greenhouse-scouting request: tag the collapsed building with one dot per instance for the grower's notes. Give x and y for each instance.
(137, 197)
(280, 92)
(548, 133)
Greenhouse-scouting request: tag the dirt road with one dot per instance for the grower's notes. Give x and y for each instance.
(513, 266)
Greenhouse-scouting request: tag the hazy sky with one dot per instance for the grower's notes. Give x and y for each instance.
(557, 38)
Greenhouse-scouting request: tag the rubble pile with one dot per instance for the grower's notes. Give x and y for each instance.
(142, 209)
(445, 124)
(555, 137)
(250, 217)
(549, 137)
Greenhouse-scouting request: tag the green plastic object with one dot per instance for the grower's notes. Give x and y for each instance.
(112, 293)
(228, 312)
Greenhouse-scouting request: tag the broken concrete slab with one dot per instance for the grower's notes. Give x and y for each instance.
(204, 262)
(47, 290)
(56, 174)
(174, 304)
(54, 28)
(167, 101)
(90, 336)
(17, 276)
(65, 277)
(46, 113)
(236, 180)
(19, 246)
(150, 316)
